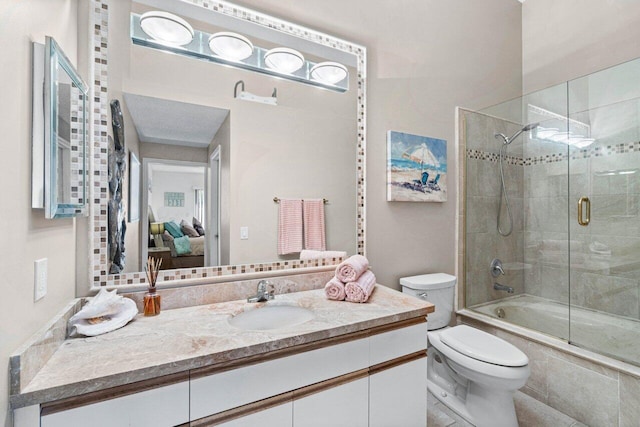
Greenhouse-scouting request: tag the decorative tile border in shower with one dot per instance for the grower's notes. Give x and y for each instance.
(492, 157)
(576, 154)
(547, 158)
(98, 194)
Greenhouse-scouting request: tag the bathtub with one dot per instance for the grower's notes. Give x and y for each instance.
(614, 336)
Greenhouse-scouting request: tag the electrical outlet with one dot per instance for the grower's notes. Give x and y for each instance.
(244, 233)
(40, 279)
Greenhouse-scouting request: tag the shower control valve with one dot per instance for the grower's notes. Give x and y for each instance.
(496, 268)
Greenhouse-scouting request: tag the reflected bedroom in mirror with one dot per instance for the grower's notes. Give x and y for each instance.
(222, 170)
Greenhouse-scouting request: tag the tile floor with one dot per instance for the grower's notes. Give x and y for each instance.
(531, 413)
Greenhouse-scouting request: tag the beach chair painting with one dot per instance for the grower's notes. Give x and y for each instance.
(416, 168)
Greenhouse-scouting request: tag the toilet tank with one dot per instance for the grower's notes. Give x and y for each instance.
(437, 288)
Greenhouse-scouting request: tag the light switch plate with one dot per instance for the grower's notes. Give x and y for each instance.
(40, 279)
(244, 233)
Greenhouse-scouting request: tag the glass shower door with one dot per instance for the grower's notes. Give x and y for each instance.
(604, 211)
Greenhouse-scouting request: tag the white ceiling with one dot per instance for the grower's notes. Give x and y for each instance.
(163, 121)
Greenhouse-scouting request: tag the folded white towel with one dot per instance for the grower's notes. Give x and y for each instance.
(361, 289)
(352, 268)
(308, 254)
(334, 290)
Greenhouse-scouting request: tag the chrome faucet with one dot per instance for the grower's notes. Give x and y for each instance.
(265, 292)
(496, 268)
(498, 287)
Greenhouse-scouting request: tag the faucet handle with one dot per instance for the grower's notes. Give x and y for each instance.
(496, 268)
(265, 287)
(271, 290)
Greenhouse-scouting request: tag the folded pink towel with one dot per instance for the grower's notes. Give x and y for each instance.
(334, 289)
(290, 226)
(350, 269)
(361, 289)
(313, 217)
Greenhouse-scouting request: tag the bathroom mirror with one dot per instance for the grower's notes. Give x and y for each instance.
(311, 145)
(59, 183)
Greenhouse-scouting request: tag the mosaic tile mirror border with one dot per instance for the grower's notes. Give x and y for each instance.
(99, 123)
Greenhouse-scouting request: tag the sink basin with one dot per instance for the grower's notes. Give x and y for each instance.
(271, 317)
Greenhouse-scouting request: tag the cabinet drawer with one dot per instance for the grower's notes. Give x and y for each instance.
(229, 389)
(278, 416)
(163, 406)
(397, 343)
(344, 406)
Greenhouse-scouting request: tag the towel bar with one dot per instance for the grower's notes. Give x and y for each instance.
(277, 200)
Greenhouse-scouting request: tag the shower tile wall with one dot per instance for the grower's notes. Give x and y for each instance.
(483, 243)
(546, 246)
(604, 258)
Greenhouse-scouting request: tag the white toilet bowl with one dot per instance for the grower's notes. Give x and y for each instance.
(476, 374)
(472, 372)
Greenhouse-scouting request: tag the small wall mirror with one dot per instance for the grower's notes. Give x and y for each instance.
(59, 184)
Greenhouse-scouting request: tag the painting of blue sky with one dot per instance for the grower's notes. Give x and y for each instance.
(416, 168)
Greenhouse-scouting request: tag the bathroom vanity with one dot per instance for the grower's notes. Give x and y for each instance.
(348, 364)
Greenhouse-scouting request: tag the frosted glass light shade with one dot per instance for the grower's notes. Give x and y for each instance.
(166, 28)
(231, 46)
(284, 60)
(329, 72)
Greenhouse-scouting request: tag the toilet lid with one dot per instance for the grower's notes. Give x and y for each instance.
(482, 346)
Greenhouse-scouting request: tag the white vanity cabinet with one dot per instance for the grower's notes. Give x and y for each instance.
(277, 416)
(398, 396)
(377, 378)
(371, 378)
(346, 405)
(161, 406)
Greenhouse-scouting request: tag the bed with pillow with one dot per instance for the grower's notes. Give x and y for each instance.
(186, 243)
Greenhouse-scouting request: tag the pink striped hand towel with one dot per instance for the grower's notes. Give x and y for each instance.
(334, 290)
(314, 230)
(361, 289)
(289, 226)
(350, 269)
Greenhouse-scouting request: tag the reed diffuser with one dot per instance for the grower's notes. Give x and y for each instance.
(151, 298)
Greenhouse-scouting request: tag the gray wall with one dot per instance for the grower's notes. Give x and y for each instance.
(562, 40)
(28, 236)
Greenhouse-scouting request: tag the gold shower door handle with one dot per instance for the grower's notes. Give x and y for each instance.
(584, 221)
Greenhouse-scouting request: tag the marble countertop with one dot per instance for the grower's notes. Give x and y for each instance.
(193, 337)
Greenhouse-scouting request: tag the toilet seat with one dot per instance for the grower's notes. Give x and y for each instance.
(482, 346)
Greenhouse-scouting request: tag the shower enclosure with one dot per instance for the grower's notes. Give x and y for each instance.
(567, 167)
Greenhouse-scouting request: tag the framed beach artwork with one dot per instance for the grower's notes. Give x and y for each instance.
(416, 168)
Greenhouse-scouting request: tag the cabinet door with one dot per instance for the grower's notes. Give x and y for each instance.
(278, 416)
(346, 405)
(163, 406)
(398, 396)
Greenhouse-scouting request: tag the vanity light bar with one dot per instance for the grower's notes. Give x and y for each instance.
(285, 63)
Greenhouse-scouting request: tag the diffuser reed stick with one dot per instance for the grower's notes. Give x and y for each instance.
(151, 298)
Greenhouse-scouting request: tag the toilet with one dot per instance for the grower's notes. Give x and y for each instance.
(473, 373)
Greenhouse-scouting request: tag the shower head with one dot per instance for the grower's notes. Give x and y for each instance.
(509, 140)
